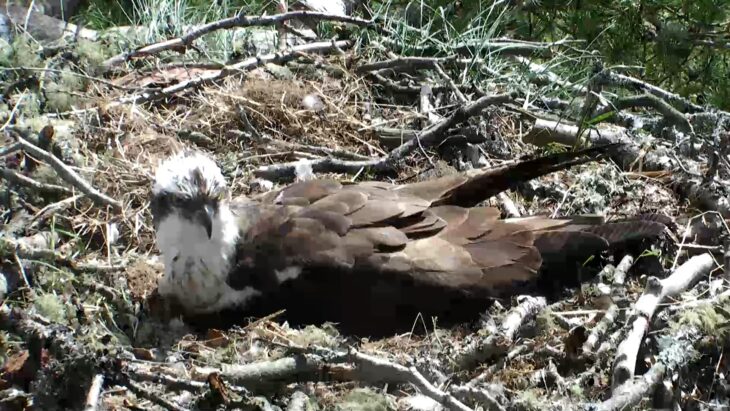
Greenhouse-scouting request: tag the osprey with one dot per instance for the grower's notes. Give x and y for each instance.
(370, 256)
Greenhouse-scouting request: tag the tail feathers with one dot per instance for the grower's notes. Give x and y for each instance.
(483, 184)
(656, 217)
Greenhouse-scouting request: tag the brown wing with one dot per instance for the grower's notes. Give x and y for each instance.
(376, 253)
(374, 228)
(384, 230)
(373, 258)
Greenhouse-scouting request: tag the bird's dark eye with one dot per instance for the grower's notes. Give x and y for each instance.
(160, 199)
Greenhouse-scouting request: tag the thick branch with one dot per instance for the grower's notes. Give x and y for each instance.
(92, 398)
(672, 115)
(656, 291)
(261, 375)
(676, 355)
(608, 77)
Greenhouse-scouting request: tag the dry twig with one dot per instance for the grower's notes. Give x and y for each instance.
(609, 318)
(427, 138)
(142, 392)
(17, 178)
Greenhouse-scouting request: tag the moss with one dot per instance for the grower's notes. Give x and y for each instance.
(710, 319)
(46, 174)
(576, 392)
(545, 322)
(24, 53)
(30, 106)
(50, 306)
(325, 336)
(92, 53)
(6, 53)
(365, 399)
(62, 91)
(529, 400)
(58, 98)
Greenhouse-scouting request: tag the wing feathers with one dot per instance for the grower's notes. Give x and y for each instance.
(331, 220)
(625, 231)
(343, 202)
(423, 225)
(376, 211)
(422, 234)
(383, 238)
(311, 190)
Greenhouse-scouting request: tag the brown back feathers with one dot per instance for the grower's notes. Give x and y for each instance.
(373, 255)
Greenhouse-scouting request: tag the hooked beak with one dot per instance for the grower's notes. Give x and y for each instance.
(205, 217)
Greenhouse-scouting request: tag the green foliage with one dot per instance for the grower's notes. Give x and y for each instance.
(103, 14)
(670, 38)
(680, 45)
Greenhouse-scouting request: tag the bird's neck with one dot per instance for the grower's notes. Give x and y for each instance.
(196, 267)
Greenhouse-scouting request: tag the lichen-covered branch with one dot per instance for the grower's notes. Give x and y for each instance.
(70, 176)
(656, 291)
(494, 344)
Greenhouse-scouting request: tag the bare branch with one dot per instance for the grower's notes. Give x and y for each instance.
(70, 176)
(379, 369)
(17, 178)
(656, 291)
(609, 77)
(670, 114)
(497, 343)
(92, 399)
(181, 43)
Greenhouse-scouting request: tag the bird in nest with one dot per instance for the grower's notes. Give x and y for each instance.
(368, 256)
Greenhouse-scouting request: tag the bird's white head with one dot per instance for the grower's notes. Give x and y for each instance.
(196, 232)
(192, 185)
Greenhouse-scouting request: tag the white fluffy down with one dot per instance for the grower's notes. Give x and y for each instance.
(173, 174)
(196, 266)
